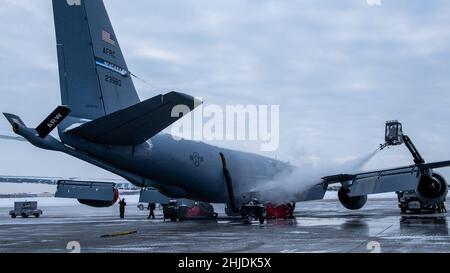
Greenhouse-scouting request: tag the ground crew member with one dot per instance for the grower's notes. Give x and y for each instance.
(122, 205)
(151, 207)
(291, 207)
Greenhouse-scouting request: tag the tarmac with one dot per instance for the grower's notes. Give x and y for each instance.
(320, 227)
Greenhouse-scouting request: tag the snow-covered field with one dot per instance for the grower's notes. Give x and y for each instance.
(56, 202)
(134, 199)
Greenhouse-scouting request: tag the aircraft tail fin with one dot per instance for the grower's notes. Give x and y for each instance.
(94, 77)
(138, 123)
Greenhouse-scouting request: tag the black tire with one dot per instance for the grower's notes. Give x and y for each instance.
(13, 216)
(173, 218)
(247, 220)
(24, 215)
(37, 215)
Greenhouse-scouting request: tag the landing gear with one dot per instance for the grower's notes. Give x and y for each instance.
(253, 210)
(174, 211)
(248, 211)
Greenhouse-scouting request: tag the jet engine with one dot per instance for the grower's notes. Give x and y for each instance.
(351, 202)
(101, 203)
(432, 190)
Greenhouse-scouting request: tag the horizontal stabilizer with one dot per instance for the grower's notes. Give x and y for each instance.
(15, 121)
(136, 124)
(45, 128)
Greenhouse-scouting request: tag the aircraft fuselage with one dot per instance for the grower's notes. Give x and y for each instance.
(184, 168)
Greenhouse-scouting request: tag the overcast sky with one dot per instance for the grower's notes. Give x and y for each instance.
(338, 70)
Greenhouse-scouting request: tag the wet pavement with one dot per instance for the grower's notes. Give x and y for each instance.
(323, 226)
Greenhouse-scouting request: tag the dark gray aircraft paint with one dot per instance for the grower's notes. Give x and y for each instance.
(110, 127)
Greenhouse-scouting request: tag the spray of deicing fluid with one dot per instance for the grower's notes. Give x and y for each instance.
(294, 183)
(355, 165)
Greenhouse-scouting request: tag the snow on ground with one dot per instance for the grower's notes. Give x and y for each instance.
(56, 202)
(11, 188)
(134, 199)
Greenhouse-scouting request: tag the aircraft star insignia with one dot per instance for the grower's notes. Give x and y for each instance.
(197, 159)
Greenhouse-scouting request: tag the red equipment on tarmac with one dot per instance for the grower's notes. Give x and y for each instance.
(285, 211)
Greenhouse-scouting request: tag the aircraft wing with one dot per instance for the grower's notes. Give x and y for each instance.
(387, 180)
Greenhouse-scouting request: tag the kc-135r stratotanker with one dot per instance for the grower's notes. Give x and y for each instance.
(103, 122)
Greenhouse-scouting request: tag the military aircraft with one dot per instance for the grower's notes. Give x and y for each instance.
(102, 121)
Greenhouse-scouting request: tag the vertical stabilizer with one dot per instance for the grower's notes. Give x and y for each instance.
(94, 77)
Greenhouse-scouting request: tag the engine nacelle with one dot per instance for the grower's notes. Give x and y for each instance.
(351, 202)
(432, 190)
(101, 203)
